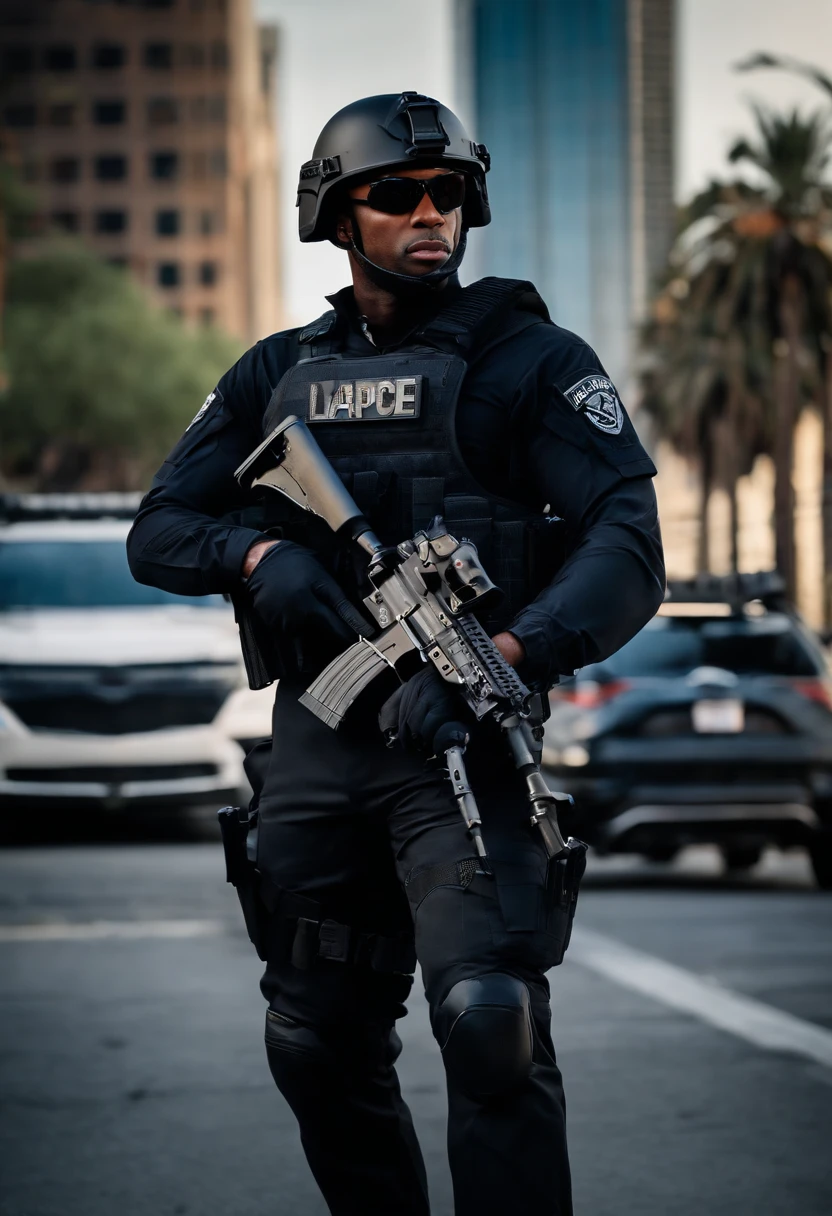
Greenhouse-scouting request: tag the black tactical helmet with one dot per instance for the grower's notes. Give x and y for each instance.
(392, 129)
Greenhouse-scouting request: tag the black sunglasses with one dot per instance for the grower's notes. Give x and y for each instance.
(402, 195)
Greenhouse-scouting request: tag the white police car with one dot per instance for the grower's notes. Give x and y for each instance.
(111, 693)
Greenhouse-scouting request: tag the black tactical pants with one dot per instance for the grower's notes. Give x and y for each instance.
(347, 821)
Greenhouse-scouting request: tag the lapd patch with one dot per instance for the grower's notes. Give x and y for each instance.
(216, 395)
(365, 400)
(596, 397)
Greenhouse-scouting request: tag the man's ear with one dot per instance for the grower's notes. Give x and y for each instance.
(343, 231)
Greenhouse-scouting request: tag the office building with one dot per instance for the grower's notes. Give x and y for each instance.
(575, 103)
(147, 130)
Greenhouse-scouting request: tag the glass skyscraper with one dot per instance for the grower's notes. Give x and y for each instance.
(574, 100)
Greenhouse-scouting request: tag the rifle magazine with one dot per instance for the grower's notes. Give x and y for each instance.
(337, 687)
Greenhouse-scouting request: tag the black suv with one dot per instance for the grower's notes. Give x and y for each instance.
(713, 725)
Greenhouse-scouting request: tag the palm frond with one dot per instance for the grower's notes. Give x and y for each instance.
(763, 59)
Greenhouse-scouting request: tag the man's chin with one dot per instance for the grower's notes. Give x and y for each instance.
(413, 264)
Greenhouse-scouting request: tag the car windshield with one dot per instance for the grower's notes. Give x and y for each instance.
(672, 646)
(79, 574)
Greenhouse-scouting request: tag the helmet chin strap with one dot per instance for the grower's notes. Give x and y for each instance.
(407, 285)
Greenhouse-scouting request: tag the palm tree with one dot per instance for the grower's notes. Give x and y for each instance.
(824, 82)
(738, 328)
(702, 376)
(792, 153)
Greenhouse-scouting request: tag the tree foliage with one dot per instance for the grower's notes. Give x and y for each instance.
(740, 331)
(95, 373)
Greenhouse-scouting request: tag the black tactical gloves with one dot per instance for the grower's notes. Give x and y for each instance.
(424, 714)
(299, 600)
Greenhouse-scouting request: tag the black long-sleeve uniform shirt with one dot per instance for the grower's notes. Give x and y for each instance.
(529, 428)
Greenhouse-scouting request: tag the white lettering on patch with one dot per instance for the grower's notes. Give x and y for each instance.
(216, 395)
(364, 400)
(596, 397)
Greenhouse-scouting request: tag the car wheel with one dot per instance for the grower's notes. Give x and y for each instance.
(820, 852)
(739, 858)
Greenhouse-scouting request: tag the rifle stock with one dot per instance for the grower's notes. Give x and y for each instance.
(290, 461)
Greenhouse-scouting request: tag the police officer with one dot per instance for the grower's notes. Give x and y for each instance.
(511, 429)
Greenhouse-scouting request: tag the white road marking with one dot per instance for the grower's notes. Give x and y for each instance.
(749, 1019)
(704, 998)
(101, 930)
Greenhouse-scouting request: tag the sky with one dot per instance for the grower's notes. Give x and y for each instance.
(713, 98)
(333, 51)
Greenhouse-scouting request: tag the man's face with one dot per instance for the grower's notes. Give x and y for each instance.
(410, 244)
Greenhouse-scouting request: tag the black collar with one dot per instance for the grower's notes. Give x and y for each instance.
(343, 302)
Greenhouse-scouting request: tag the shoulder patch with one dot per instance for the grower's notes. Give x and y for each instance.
(596, 397)
(216, 395)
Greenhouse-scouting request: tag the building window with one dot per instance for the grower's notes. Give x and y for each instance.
(108, 55)
(65, 169)
(216, 108)
(24, 114)
(218, 163)
(111, 221)
(192, 55)
(67, 221)
(167, 274)
(164, 166)
(109, 113)
(60, 58)
(208, 223)
(207, 273)
(167, 223)
(110, 168)
(219, 55)
(162, 111)
(207, 317)
(18, 60)
(209, 109)
(158, 55)
(268, 58)
(63, 114)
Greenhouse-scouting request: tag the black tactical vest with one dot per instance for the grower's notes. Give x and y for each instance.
(387, 423)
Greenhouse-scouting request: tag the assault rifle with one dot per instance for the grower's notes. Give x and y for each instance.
(424, 595)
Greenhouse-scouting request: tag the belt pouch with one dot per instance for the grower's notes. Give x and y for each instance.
(235, 824)
(563, 883)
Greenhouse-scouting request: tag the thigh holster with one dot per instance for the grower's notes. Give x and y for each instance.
(285, 925)
(484, 1030)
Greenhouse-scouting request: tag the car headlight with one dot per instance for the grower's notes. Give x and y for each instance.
(574, 756)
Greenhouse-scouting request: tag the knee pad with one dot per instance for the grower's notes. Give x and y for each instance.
(484, 1030)
(296, 1053)
(285, 1034)
(299, 1052)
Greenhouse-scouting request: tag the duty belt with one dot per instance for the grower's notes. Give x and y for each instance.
(285, 925)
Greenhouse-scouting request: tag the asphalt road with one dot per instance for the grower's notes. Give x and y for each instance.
(693, 1017)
